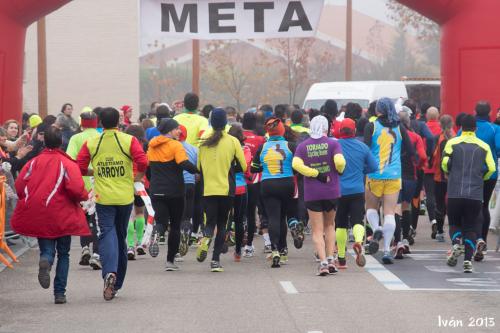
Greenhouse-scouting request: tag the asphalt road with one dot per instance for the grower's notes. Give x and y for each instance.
(413, 295)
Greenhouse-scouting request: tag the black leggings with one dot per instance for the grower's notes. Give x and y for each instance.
(189, 191)
(350, 211)
(239, 210)
(484, 218)
(87, 240)
(415, 205)
(462, 215)
(217, 209)
(253, 201)
(440, 190)
(169, 211)
(198, 207)
(430, 199)
(277, 196)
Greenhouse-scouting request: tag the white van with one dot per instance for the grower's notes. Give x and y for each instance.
(361, 92)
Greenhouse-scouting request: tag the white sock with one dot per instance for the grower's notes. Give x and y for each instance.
(267, 240)
(373, 219)
(388, 230)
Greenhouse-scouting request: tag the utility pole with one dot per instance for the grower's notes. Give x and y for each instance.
(348, 43)
(196, 66)
(42, 68)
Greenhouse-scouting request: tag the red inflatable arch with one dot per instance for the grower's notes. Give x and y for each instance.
(15, 17)
(470, 50)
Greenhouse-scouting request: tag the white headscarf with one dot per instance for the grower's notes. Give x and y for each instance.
(319, 127)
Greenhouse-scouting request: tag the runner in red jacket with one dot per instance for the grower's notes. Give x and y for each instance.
(50, 188)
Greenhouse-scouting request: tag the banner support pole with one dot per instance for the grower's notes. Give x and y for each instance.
(196, 66)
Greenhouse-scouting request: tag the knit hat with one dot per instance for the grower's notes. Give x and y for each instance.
(184, 134)
(274, 127)
(34, 121)
(88, 119)
(350, 124)
(218, 119)
(319, 127)
(385, 107)
(167, 125)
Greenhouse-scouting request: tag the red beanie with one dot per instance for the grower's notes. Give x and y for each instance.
(348, 124)
(274, 127)
(89, 123)
(126, 108)
(184, 134)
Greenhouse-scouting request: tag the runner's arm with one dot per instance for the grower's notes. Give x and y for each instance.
(299, 166)
(139, 158)
(256, 165)
(83, 161)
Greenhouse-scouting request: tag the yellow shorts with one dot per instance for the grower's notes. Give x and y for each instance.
(381, 187)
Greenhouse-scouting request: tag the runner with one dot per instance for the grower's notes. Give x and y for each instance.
(49, 209)
(274, 160)
(112, 155)
(351, 207)
(240, 198)
(253, 142)
(321, 161)
(89, 130)
(386, 139)
(464, 160)
(193, 122)
(409, 165)
(446, 123)
(137, 221)
(167, 158)
(220, 157)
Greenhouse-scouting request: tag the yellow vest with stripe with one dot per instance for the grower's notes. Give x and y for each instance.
(113, 168)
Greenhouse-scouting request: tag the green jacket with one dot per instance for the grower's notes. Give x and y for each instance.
(75, 144)
(194, 125)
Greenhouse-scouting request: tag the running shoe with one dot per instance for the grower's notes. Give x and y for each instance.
(60, 299)
(423, 205)
(480, 250)
(216, 267)
(131, 253)
(434, 227)
(161, 240)
(316, 257)
(202, 251)
(374, 246)
(387, 259)
(248, 252)
(284, 257)
(178, 258)
(307, 230)
(297, 231)
(323, 270)
(406, 245)
(171, 267)
(400, 250)
(109, 286)
(193, 240)
(467, 266)
(85, 257)
(95, 262)
(237, 256)
(154, 248)
(268, 249)
(141, 250)
(332, 269)
(360, 257)
(44, 273)
(342, 263)
(456, 251)
(276, 259)
(440, 237)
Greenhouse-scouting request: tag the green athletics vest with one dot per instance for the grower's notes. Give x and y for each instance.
(113, 168)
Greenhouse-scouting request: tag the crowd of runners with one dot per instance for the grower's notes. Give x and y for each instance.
(211, 177)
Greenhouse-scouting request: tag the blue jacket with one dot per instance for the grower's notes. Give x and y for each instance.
(152, 133)
(192, 154)
(490, 134)
(359, 162)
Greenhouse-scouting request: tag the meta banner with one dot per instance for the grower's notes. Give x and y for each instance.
(218, 19)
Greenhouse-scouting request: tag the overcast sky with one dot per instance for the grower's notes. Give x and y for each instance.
(374, 8)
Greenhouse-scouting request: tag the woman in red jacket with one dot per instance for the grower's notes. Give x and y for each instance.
(50, 188)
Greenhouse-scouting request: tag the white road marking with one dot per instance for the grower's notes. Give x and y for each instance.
(382, 274)
(288, 287)
(315, 332)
